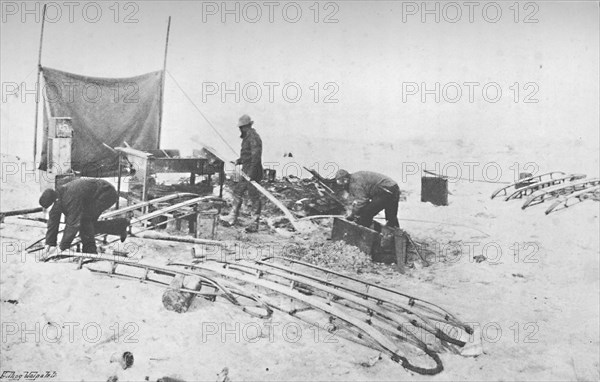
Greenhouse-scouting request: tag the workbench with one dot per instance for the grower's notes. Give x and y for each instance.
(142, 168)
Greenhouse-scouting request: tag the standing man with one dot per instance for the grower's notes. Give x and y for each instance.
(371, 192)
(82, 201)
(251, 161)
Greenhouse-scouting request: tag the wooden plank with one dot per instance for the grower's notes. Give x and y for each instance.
(400, 245)
(134, 207)
(182, 239)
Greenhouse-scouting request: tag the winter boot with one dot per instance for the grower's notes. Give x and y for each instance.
(232, 218)
(255, 219)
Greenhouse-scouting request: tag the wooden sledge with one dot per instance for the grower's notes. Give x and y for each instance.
(541, 196)
(574, 198)
(254, 304)
(380, 339)
(397, 314)
(531, 179)
(146, 218)
(528, 190)
(433, 311)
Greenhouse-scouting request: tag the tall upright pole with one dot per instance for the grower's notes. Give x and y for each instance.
(162, 85)
(37, 97)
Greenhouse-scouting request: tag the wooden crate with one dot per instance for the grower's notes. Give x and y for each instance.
(365, 239)
(434, 190)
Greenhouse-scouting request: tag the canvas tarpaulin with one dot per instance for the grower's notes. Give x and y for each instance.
(103, 111)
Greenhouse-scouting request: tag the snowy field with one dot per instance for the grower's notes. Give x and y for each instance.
(535, 297)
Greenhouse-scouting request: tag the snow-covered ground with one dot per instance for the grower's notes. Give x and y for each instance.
(535, 297)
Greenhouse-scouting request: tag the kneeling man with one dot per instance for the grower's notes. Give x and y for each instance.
(371, 192)
(82, 201)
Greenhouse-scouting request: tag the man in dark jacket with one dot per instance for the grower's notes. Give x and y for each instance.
(371, 192)
(251, 161)
(82, 201)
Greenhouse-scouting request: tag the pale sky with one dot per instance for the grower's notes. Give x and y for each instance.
(376, 53)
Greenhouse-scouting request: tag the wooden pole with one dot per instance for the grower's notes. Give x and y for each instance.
(162, 85)
(37, 97)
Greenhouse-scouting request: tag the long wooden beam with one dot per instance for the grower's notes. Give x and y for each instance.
(162, 84)
(37, 86)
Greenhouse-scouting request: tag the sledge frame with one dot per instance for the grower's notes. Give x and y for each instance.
(538, 178)
(432, 309)
(380, 341)
(221, 288)
(528, 190)
(386, 309)
(573, 199)
(541, 196)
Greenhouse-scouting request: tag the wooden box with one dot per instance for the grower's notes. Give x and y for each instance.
(434, 190)
(365, 239)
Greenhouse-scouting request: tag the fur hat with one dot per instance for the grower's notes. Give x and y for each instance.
(341, 174)
(245, 120)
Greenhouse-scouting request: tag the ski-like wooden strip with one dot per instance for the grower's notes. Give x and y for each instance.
(542, 195)
(412, 301)
(136, 206)
(536, 179)
(528, 190)
(572, 199)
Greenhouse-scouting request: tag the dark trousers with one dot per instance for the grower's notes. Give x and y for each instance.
(383, 200)
(240, 189)
(90, 226)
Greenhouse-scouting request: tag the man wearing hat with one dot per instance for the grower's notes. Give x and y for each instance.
(251, 161)
(371, 192)
(82, 201)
